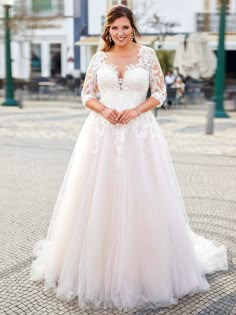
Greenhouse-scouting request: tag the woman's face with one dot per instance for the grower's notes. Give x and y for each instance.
(120, 31)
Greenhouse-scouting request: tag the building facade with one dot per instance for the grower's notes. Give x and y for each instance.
(58, 37)
(42, 39)
(174, 18)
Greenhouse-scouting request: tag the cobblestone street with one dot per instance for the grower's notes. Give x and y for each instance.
(36, 143)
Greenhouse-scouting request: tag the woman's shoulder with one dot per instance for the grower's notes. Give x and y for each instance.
(147, 53)
(98, 54)
(147, 49)
(97, 58)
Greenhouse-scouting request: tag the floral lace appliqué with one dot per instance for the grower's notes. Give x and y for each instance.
(123, 93)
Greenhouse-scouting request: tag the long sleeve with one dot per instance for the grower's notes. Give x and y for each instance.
(90, 83)
(157, 81)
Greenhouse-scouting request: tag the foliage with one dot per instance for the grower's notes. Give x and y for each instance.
(147, 16)
(166, 58)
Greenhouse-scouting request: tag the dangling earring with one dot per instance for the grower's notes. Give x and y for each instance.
(110, 39)
(132, 36)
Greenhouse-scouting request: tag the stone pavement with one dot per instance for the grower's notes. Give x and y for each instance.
(36, 143)
(184, 130)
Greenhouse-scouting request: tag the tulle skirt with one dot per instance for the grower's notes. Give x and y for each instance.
(119, 234)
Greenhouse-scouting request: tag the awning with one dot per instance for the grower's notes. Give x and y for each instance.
(170, 42)
(94, 40)
(194, 57)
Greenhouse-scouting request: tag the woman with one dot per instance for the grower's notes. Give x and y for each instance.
(119, 234)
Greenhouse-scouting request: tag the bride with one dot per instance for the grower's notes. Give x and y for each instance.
(119, 235)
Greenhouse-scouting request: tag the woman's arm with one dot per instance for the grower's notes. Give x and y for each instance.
(147, 105)
(95, 105)
(89, 91)
(157, 86)
(108, 113)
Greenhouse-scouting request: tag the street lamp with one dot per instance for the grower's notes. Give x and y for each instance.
(9, 86)
(220, 72)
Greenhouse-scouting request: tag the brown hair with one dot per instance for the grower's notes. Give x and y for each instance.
(114, 13)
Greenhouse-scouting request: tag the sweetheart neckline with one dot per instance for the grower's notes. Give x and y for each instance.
(128, 66)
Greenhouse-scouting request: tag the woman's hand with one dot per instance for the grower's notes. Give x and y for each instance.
(127, 115)
(110, 115)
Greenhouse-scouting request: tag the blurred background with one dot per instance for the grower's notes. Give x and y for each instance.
(52, 42)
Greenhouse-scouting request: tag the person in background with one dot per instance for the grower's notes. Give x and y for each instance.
(169, 78)
(180, 88)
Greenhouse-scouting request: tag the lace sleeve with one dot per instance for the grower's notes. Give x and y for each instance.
(157, 81)
(90, 83)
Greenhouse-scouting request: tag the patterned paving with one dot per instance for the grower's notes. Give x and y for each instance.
(184, 129)
(36, 144)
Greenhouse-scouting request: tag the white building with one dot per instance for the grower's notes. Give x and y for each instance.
(42, 39)
(58, 37)
(190, 16)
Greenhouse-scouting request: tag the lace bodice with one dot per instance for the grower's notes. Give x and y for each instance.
(129, 91)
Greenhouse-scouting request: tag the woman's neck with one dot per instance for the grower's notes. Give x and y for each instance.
(128, 47)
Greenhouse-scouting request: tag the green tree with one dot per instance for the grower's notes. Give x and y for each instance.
(166, 58)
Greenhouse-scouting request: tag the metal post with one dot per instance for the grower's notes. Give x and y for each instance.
(9, 86)
(220, 72)
(210, 118)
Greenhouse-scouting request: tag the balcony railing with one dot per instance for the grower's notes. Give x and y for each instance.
(209, 22)
(39, 8)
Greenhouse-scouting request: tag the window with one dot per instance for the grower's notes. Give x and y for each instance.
(41, 6)
(47, 7)
(55, 60)
(36, 60)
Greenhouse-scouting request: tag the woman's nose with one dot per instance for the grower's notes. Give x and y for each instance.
(120, 32)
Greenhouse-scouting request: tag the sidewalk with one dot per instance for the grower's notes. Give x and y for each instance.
(36, 143)
(184, 128)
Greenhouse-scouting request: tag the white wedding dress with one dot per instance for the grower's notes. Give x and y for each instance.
(119, 234)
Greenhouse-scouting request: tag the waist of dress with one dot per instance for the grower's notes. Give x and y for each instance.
(145, 119)
(120, 105)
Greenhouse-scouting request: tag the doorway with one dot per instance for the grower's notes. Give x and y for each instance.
(231, 64)
(55, 60)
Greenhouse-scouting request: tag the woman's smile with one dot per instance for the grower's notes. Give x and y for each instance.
(121, 30)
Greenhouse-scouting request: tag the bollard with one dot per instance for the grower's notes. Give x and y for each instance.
(210, 118)
(19, 99)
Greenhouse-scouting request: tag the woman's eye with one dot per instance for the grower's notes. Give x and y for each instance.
(115, 27)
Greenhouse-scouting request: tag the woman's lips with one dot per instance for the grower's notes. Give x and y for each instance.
(121, 39)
